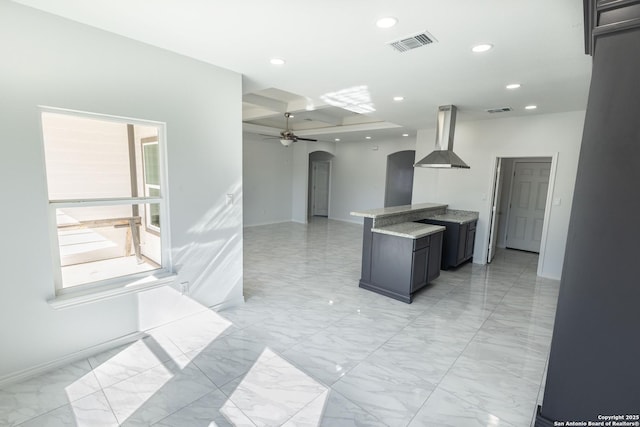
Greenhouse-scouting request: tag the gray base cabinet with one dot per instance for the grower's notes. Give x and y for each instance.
(401, 266)
(458, 243)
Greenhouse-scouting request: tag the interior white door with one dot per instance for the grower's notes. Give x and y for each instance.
(320, 188)
(528, 199)
(495, 214)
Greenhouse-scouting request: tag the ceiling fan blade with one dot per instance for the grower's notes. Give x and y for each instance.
(269, 136)
(306, 139)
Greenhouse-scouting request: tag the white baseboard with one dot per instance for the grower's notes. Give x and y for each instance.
(349, 220)
(258, 224)
(42, 368)
(548, 276)
(71, 358)
(228, 304)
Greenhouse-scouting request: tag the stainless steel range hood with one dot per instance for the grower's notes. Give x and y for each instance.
(443, 156)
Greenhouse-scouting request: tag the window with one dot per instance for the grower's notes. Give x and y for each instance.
(106, 186)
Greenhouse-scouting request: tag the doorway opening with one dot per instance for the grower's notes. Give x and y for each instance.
(319, 183)
(399, 183)
(520, 205)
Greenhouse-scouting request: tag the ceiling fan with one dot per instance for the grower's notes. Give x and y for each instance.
(287, 137)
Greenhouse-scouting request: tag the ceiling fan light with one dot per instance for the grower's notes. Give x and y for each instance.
(286, 142)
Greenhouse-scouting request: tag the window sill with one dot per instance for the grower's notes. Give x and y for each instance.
(73, 299)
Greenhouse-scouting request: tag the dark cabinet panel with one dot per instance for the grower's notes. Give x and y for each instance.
(399, 266)
(458, 242)
(471, 238)
(391, 263)
(593, 362)
(435, 257)
(422, 242)
(420, 268)
(462, 242)
(367, 235)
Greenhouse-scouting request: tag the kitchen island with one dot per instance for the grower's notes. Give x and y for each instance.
(402, 246)
(399, 254)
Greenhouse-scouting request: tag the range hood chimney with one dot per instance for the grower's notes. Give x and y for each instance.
(443, 156)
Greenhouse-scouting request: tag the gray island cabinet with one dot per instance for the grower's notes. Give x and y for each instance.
(459, 236)
(399, 254)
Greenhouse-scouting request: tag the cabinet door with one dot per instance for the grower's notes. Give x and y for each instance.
(471, 238)
(462, 243)
(435, 255)
(420, 267)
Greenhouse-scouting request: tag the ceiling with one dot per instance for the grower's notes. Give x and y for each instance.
(333, 48)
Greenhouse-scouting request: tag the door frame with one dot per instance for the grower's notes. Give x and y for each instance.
(313, 190)
(496, 195)
(547, 207)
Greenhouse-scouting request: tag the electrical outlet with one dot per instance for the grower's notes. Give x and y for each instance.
(184, 288)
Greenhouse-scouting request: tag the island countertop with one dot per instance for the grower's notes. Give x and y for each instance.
(452, 215)
(399, 210)
(411, 230)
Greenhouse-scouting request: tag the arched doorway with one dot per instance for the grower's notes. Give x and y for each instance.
(319, 183)
(399, 184)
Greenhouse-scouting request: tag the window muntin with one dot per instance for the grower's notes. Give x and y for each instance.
(106, 198)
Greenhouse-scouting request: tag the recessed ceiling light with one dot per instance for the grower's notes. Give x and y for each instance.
(398, 98)
(277, 61)
(337, 140)
(367, 137)
(405, 134)
(386, 22)
(513, 86)
(530, 107)
(482, 47)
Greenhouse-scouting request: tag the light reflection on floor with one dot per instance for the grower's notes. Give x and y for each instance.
(310, 348)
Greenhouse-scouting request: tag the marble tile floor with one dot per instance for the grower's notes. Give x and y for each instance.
(310, 348)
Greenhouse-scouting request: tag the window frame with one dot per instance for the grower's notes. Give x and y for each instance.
(149, 226)
(136, 281)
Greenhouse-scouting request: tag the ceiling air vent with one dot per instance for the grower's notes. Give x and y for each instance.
(499, 110)
(413, 42)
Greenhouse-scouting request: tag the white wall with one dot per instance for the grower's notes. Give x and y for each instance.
(54, 62)
(358, 176)
(299, 184)
(359, 173)
(267, 180)
(479, 143)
